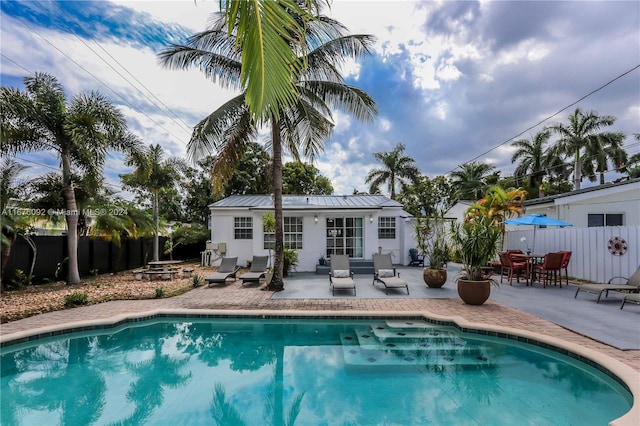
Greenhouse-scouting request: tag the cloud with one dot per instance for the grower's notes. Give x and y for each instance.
(453, 80)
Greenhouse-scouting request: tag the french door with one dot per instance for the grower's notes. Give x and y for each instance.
(345, 236)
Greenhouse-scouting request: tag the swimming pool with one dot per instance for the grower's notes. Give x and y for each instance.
(193, 370)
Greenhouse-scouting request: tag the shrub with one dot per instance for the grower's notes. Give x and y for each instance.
(159, 293)
(197, 280)
(290, 261)
(76, 299)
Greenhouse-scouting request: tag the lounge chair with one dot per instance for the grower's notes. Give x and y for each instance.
(416, 259)
(257, 270)
(227, 269)
(632, 284)
(384, 272)
(631, 297)
(340, 275)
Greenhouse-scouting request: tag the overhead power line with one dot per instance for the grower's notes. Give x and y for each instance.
(553, 115)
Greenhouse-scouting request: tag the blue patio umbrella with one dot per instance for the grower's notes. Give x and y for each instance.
(536, 220)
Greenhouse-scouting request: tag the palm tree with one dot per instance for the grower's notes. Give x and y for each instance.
(269, 34)
(582, 132)
(499, 204)
(398, 168)
(532, 158)
(299, 129)
(470, 182)
(601, 151)
(152, 176)
(632, 168)
(80, 133)
(11, 221)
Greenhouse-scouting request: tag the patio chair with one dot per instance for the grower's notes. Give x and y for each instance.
(416, 259)
(632, 284)
(511, 266)
(257, 270)
(565, 265)
(549, 268)
(384, 272)
(227, 269)
(631, 297)
(340, 275)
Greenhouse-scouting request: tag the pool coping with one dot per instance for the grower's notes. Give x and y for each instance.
(623, 373)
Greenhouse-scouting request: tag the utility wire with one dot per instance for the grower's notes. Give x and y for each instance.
(94, 76)
(552, 115)
(177, 119)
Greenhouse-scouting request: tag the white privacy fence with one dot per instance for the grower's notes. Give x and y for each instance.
(591, 259)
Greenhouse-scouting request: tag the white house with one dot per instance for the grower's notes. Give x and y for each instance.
(314, 225)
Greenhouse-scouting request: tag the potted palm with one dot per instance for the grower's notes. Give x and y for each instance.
(477, 241)
(430, 241)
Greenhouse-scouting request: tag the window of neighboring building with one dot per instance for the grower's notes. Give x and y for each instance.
(387, 228)
(605, 219)
(292, 227)
(243, 228)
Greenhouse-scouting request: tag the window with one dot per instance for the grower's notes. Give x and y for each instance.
(293, 232)
(243, 228)
(605, 219)
(292, 227)
(387, 228)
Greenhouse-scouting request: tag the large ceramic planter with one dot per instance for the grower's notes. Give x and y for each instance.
(474, 292)
(434, 278)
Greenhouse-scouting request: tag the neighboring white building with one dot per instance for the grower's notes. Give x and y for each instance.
(314, 225)
(611, 204)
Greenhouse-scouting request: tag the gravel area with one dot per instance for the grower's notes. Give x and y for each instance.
(34, 300)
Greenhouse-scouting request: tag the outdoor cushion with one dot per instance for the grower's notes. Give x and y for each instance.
(341, 273)
(385, 273)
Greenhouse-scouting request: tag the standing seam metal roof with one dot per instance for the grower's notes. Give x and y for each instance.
(309, 202)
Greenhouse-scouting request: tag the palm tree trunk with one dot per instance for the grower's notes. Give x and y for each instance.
(276, 139)
(73, 274)
(577, 172)
(156, 225)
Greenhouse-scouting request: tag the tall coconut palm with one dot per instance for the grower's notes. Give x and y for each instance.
(470, 182)
(80, 133)
(531, 154)
(270, 34)
(584, 130)
(398, 169)
(300, 129)
(152, 176)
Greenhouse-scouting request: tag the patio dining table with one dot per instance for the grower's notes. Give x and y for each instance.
(530, 260)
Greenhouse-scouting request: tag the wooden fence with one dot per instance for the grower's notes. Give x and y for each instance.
(591, 258)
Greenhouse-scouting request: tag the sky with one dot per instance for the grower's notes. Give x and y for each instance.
(455, 81)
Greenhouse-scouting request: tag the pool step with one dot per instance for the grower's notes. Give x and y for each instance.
(414, 343)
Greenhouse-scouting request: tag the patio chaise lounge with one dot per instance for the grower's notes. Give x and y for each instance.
(257, 270)
(631, 297)
(384, 272)
(227, 269)
(340, 275)
(632, 284)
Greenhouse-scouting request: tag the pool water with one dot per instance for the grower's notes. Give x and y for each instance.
(304, 372)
